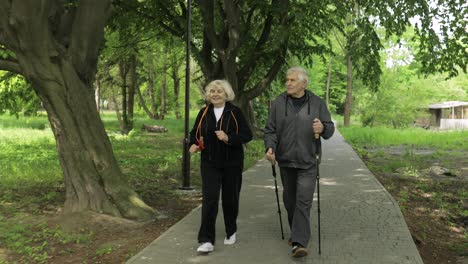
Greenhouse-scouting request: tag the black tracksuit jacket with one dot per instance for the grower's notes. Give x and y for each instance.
(216, 152)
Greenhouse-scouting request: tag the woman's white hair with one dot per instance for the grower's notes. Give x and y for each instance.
(220, 84)
(301, 73)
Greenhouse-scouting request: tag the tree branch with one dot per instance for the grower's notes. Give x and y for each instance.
(263, 84)
(63, 25)
(339, 41)
(183, 8)
(233, 14)
(174, 32)
(207, 12)
(248, 22)
(176, 29)
(5, 7)
(205, 57)
(87, 34)
(259, 51)
(10, 66)
(174, 19)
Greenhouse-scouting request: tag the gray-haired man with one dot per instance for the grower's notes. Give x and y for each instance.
(295, 117)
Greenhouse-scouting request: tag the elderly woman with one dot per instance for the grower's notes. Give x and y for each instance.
(219, 132)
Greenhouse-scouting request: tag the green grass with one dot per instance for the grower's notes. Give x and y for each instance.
(380, 136)
(34, 241)
(109, 119)
(31, 178)
(28, 156)
(38, 122)
(404, 174)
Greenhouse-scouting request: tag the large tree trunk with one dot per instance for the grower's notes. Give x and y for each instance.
(61, 68)
(349, 92)
(93, 179)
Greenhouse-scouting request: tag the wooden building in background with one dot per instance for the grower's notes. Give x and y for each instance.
(449, 115)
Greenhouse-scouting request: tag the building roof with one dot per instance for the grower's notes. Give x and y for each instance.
(448, 104)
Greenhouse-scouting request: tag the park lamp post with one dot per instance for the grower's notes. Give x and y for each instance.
(186, 154)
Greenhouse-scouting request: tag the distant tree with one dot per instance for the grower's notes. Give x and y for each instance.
(148, 102)
(245, 42)
(404, 93)
(361, 42)
(249, 42)
(176, 63)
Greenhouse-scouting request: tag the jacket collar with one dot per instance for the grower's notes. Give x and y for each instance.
(227, 107)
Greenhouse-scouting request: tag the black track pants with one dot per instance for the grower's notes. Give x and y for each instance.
(229, 181)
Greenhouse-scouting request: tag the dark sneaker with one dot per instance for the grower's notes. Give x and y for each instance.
(298, 251)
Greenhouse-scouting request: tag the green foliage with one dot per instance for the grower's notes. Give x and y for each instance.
(17, 96)
(403, 199)
(28, 157)
(261, 107)
(318, 74)
(105, 249)
(34, 242)
(31, 179)
(404, 96)
(254, 151)
(388, 106)
(159, 66)
(380, 136)
(264, 34)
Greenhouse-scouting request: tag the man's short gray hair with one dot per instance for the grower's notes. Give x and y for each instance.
(301, 73)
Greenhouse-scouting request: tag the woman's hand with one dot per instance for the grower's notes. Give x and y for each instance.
(222, 136)
(194, 148)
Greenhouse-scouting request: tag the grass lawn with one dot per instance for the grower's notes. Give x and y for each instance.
(435, 205)
(32, 192)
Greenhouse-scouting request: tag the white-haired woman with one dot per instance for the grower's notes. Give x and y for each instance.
(219, 132)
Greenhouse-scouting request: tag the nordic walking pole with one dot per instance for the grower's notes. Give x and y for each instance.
(277, 200)
(317, 160)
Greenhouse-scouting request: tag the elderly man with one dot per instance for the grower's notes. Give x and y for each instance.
(296, 116)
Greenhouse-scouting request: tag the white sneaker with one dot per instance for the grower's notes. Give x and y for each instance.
(231, 240)
(205, 247)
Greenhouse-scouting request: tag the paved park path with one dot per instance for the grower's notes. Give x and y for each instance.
(360, 222)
